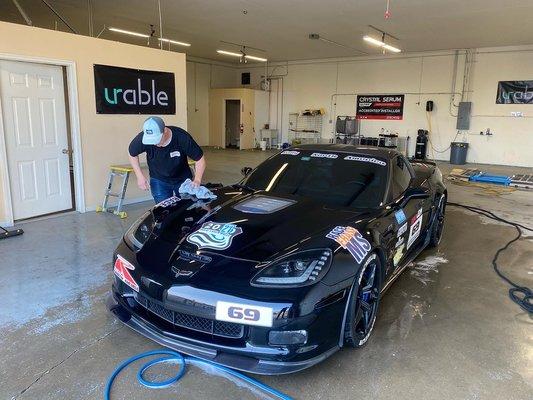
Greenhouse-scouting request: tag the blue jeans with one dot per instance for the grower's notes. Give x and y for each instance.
(163, 190)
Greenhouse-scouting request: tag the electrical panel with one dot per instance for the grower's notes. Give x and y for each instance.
(463, 116)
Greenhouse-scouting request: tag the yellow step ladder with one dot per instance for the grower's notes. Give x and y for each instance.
(122, 171)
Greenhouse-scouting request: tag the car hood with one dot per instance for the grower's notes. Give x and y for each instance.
(267, 226)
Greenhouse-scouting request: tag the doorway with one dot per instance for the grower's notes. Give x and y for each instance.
(36, 135)
(233, 124)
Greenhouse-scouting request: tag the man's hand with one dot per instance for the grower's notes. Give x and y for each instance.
(196, 182)
(199, 169)
(143, 183)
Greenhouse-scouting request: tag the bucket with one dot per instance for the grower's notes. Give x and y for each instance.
(458, 153)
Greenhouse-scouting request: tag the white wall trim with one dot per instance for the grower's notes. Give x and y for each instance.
(6, 224)
(75, 131)
(6, 186)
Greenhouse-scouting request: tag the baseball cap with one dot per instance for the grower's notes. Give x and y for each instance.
(153, 129)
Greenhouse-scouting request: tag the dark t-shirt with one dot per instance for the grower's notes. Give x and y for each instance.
(169, 163)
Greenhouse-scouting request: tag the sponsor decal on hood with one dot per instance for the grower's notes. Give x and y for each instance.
(214, 235)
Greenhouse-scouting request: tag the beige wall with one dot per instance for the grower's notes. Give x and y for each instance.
(428, 76)
(217, 100)
(201, 77)
(104, 138)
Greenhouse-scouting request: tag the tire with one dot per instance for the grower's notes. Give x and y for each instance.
(361, 318)
(438, 223)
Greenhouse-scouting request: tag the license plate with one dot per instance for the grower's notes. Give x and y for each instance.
(244, 314)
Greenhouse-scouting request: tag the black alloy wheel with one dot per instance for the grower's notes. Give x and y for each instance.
(364, 305)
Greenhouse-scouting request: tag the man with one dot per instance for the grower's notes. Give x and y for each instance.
(167, 149)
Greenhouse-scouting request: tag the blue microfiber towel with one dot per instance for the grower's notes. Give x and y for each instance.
(200, 192)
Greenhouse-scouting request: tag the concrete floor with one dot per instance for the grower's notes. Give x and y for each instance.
(446, 329)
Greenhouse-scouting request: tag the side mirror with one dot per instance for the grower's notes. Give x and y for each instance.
(414, 193)
(246, 171)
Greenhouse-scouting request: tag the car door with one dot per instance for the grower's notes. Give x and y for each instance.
(408, 212)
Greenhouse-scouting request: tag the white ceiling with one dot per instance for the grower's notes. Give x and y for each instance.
(281, 27)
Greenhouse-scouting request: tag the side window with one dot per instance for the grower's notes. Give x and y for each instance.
(401, 177)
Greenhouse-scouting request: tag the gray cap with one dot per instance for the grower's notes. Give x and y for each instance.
(153, 129)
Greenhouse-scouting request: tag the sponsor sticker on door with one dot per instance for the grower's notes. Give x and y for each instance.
(416, 227)
(244, 314)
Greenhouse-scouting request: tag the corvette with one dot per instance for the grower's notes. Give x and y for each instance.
(285, 267)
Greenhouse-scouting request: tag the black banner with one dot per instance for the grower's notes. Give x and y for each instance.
(515, 92)
(380, 106)
(133, 91)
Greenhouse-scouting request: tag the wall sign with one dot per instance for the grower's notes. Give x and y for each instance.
(380, 106)
(133, 91)
(515, 92)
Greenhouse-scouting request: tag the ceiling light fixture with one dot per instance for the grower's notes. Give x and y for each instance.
(241, 55)
(143, 35)
(381, 43)
(165, 40)
(229, 53)
(255, 58)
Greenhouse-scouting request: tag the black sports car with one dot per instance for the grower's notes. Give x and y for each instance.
(284, 268)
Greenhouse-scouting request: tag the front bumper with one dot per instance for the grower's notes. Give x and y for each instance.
(246, 359)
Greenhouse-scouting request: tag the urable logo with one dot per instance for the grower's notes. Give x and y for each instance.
(519, 97)
(137, 96)
(214, 235)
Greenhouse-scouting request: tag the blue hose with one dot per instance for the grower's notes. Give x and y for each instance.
(174, 356)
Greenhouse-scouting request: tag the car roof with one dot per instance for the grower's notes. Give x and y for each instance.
(349, 148)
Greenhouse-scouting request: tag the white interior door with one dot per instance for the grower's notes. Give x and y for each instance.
(35, 128)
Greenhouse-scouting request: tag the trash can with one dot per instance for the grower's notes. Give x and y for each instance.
(458, 153)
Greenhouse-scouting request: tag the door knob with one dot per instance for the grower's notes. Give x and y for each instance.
(66, 151)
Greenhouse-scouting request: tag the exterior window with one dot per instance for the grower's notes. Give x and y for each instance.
(401, 177)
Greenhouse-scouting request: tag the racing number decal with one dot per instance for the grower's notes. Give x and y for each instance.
(244, 314)
(249, 314)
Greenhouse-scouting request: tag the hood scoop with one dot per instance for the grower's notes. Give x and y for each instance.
(260, 204)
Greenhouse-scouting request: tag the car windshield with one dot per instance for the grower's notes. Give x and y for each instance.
(333, 179)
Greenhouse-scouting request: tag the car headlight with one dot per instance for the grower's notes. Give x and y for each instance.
(137, 235)
(298, 269)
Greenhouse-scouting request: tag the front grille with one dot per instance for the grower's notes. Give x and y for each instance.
(205, 325)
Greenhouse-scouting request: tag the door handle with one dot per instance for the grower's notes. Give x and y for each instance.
(66, 151)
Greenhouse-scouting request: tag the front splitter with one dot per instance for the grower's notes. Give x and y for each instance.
(209, 352)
